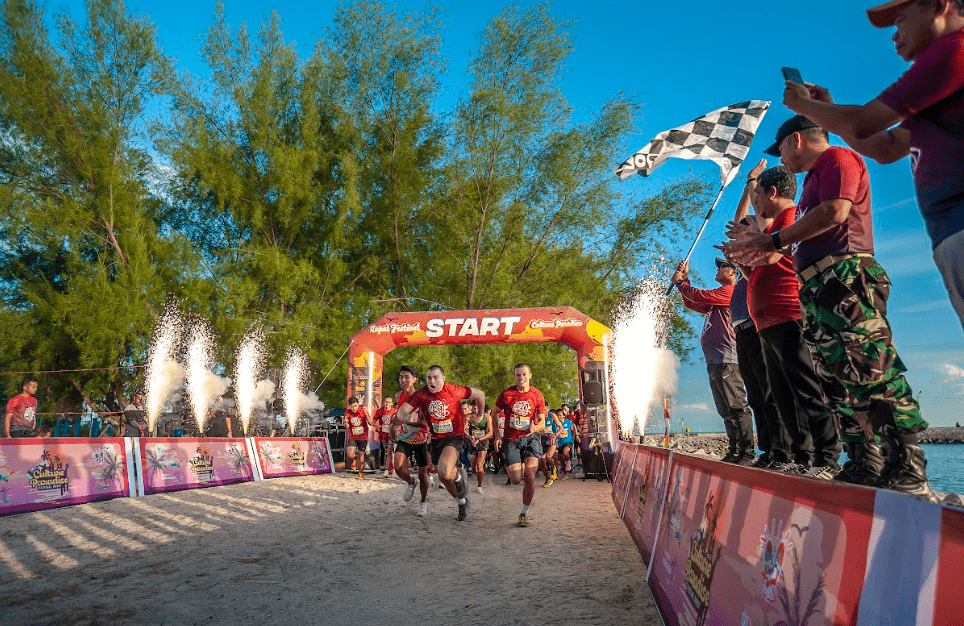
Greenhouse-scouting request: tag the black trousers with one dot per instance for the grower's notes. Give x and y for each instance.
(730, 399)
(796, 390)
(771, 434)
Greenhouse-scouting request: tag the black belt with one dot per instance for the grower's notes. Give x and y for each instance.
(745, 325)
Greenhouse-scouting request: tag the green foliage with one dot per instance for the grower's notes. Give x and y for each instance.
(305, 196)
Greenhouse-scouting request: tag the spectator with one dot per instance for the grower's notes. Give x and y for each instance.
(19, 420)
(843, 297)
(719, 349)
(774, 299)
(928, 102)
(773, 440)
(135, 416)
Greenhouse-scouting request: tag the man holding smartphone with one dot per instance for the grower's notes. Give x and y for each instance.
(927, 104)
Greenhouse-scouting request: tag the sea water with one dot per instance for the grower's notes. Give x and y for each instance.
(945, 466)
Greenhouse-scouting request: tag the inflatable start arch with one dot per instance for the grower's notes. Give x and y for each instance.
(587, 337)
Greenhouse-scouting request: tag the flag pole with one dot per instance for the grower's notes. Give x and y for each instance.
(706, 220)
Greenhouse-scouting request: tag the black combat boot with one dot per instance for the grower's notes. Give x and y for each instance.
(909, 475)
(864, 466)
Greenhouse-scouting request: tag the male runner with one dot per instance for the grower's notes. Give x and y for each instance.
(438, 404)
(411, 441)
(383, 421)
(357, 422)
(548, 461)
(565, 441)
(525, 412)
(480, 432)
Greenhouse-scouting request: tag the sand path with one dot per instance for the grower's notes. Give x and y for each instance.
(325, 550)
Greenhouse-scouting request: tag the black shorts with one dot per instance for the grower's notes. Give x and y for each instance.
(416, 451)
(440, 444)
(482, 446)
(361, 444)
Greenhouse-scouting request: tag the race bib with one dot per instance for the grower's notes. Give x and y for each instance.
(519, 423)
(358, 431)
(443, 426)
(478, 433)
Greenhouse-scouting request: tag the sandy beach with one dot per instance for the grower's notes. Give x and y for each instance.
(325, 550)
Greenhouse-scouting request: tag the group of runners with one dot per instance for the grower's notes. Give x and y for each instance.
(424, 431)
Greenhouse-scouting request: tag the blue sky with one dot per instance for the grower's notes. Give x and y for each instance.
(681, 60)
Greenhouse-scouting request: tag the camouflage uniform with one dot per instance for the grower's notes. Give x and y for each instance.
(844, 310)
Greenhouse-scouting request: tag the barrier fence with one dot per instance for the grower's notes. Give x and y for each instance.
(726, 544)
(37, 474)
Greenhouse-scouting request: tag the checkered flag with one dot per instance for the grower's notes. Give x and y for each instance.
(723, 136)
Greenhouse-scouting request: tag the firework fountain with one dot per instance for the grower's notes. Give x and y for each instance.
(296, 401)
(643, 369)
(249, 365)
(203, 385)
(164, 373)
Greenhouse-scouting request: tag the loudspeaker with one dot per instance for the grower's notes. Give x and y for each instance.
(592, 393)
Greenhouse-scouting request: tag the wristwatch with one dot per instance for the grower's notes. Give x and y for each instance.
(751, 179)
(775, 238)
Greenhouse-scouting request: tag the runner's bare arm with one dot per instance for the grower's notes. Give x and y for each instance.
(478, 399)
(496, 435)
(407, 414)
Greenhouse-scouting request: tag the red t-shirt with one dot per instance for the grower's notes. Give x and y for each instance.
(383, 417)
(24, 409)
(357, 424)
(409, 434)
(443, 409)
(521, 409)
(838, 173)
(774, 293)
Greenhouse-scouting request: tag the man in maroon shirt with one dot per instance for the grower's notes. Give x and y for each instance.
(774, 302)
(525, 413)
(927, 104)
(718, 340)
(19, 418)
(357, 422)
(843, 297)
(439, 405)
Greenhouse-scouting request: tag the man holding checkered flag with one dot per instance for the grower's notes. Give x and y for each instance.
(722, 136)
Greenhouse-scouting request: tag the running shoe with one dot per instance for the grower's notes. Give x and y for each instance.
(568, 466)
(422, 510)
(565, 475)
(440, 485)
(462, 482)
(548, 482)
(463, 510)
(431, 480)
(410, 491)
(522, 520)
(361, 477)
(478, 490)
(386, 474)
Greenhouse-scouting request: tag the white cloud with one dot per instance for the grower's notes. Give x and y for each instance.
(701, 406)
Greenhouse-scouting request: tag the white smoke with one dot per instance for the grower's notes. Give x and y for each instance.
(643, 371)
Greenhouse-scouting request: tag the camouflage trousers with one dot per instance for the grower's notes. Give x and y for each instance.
(844, 311)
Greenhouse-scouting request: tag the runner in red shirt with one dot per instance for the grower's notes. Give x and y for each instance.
(19, 418)
(357, 422)
(383, 421)
(411, 441)
(438, 405)
(525, 415)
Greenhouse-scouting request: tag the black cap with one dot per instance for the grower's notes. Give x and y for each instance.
(792, 125)
(724, 263)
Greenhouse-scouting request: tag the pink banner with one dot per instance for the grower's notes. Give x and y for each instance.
(294, 456)
(189, 463)
(645, 496)
(40, 474)
(743, 546)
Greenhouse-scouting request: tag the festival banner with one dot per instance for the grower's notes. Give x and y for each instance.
(44, 473)
(622, 466)
(645, 497)
(188, 463)
(737, 545)
(293, 456)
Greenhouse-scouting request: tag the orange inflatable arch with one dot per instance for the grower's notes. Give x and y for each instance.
(587, 337)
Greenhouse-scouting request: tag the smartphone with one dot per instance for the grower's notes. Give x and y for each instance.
(792, 74)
